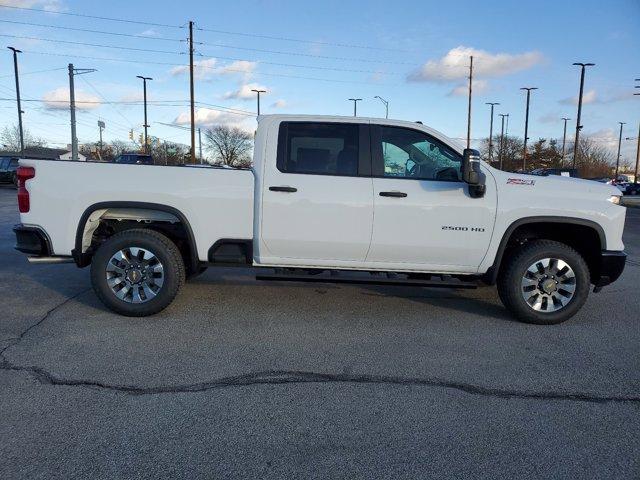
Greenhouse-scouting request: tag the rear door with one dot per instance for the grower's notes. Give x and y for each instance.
(317, 197)
(424, 217)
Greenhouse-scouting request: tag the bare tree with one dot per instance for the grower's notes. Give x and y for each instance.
(230, 145)
(10, 139)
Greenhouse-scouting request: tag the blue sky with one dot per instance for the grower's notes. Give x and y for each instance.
(410, 52)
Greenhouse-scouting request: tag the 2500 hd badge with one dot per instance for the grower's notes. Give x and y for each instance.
(463, 229)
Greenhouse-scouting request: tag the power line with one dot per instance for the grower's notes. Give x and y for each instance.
(34, 72)
(310, 55)
(300, 40)
(99, 45)
(174, 64)
(96, 17)
(224, 32)
(101, 32)
(118, 47)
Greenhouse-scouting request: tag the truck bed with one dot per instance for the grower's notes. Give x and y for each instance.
(217, 202)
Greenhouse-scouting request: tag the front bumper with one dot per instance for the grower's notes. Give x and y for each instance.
(32, 240)
(611, 267)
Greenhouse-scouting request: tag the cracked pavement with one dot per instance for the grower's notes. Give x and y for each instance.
(245, 379)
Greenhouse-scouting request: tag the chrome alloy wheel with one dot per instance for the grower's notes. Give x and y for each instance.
(135, 275)
(548, 285)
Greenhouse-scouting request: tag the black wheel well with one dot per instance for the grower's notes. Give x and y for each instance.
(585, 238)
(178, 230)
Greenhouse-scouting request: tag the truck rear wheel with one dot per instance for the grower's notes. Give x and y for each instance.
(137, 272)
(544, 282)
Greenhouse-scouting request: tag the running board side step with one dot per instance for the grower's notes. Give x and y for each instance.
(446, 281)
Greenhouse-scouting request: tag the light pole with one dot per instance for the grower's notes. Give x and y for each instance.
(619, 145)
(493, 104)
(15, 68)
(502, 117)
(258, 92)
(564, 136)
(72, 106)
(101, 126)
(578, 126)
(355, 105)
(386, 105)
(635, 171)
(526, 127)
(144, 89)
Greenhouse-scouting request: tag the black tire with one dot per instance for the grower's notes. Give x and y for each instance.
(165, 251)
(515, 267)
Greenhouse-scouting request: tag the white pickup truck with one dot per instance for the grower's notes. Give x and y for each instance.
(329, 199)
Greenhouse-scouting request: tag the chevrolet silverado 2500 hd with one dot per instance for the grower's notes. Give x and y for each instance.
(328, 199)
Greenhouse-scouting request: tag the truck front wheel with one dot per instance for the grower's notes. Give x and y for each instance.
(137, 272)
(544, 282)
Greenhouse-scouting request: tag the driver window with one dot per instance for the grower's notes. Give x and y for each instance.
(413, 154)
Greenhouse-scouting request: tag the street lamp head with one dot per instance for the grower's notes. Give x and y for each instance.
(529, 88)
(15, 50)
(622, 123)
(491, 103)
(355, 99)
(143, 78)
(258, 90)
(579, 64)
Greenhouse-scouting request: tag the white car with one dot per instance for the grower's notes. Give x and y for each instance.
(329, 199)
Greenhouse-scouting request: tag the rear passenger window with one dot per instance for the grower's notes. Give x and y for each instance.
(319, 148)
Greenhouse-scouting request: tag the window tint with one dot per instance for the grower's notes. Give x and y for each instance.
(13, 163)
(3, 163)
(318, 148)
(412, 154)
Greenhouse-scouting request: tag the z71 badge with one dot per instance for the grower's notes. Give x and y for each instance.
(520, 181)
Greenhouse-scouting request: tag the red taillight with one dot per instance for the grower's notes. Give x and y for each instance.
(24, 174)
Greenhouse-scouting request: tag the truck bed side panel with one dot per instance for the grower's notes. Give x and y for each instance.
(217, 203)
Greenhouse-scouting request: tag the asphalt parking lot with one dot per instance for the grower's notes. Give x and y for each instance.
(245, 379)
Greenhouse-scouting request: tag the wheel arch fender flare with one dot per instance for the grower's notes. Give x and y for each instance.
(492, 273)
(82, 259)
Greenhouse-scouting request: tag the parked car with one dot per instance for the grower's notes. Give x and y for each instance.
(633, 189)
(8, 167)
(563, 172)
(329, 199)
(134, 158)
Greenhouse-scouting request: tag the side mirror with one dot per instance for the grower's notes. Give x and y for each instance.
(472, 173)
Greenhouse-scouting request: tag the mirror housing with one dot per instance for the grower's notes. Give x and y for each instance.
(472, 173)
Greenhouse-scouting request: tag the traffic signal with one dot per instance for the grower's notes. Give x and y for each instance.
(131, 134)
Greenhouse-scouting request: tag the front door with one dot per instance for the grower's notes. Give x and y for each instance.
(424, 217)
(317, 203)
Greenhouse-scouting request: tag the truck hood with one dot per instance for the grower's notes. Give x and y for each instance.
(554, 186)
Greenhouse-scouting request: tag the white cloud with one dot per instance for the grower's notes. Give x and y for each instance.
(455, 65)
(58, 99)
(48, 5)
(462, 90)
(208, 68)
(587, 98)
(281, 103)
(207, 117)
(150, 32)
(244, 92)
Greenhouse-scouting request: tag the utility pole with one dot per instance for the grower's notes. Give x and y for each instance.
(100, 127)
(619, 145)
(144, 87)
(526, 127)
(200, 144)
(386, 105)
(258, 91)
(193, 108)
(355, 103)
(576, 144)
(72, 106)
(500, 154)
(493, 104)
(564, 137)
(469, 108)
(15, 68)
